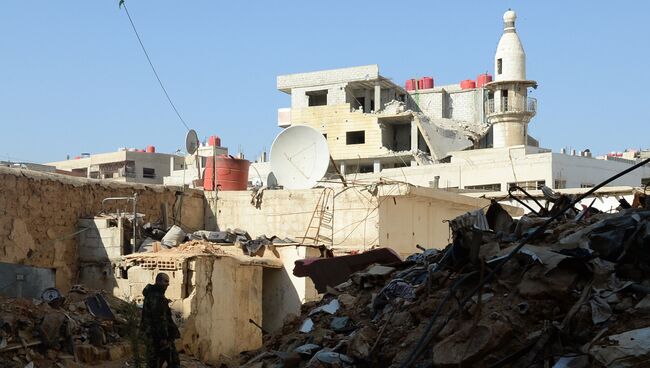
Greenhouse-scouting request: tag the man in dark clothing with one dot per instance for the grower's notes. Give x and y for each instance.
(158, 327)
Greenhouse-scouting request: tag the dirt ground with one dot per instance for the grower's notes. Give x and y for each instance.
(186, 362)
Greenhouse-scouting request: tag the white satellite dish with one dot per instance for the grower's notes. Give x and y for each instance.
(191, 142)
(299, 157)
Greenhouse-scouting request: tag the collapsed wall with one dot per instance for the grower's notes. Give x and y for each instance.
(39, 215)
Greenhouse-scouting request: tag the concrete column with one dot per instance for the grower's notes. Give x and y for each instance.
(171, 166)
(376, 166)
(414, 136)
(378, 105)
(367, 97)
(342, 168)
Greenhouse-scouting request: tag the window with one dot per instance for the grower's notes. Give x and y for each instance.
(645, 181)
(528, 185)
(559, 184)
(485, 187)
(317, 98)
(586, 185)
(148, 173)
(499, 66)
(325, 135)
(356, 137)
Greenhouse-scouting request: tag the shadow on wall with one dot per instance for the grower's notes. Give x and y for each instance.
(19, 281)
(279, 298)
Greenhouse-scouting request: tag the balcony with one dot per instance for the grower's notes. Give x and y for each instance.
(530, 106)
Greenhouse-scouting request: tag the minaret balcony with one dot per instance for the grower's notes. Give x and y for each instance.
(504, 105)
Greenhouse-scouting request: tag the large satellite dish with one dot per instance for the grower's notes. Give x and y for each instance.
(299, 157)
(191, 142)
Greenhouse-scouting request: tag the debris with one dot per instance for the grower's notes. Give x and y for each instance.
(329, 308)
(174, 237)
(307, 326)
(334, 271)
(469, 304)
(628, 349)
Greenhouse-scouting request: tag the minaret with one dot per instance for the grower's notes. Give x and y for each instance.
(508, 108)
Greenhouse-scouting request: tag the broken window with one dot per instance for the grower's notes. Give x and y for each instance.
(559, 184)
(586, 185)
(499, 66)
(356, 137)
(528, 185)
(148, 173)
(317, 98)
(485, 187)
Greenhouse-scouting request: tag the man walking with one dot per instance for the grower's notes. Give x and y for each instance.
(158, 327)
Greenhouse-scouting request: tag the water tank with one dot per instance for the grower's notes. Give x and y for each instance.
(426, 83)
(232, 173)
(139, 150)
(214, 141)
(410, 85)
(151, 149)
(467, 84)
(483, 79)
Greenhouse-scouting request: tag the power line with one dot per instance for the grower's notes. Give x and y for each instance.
(122, 3)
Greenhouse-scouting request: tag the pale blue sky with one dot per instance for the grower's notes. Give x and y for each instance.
(73, 78)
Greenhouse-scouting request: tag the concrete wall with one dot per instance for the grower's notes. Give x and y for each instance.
(513, 164)
(39, 214)
(319, 78)
(398, 216)
(286, 213)
(212, 297)
(284, 293)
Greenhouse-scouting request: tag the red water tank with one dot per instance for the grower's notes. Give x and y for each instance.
(232, 173)
(483, 79)
(410, 85)
(77, 157)
(214, 141)
(151, 149)
(426, 83)
(139, 150)
(467, 84)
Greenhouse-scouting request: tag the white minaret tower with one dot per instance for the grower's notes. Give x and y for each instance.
(508, 107)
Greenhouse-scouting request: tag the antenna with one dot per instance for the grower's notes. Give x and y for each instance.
(299, 157)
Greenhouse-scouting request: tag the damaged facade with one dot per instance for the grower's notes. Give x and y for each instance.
(472, 138)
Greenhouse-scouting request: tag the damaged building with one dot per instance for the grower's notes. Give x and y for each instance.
(472, 136)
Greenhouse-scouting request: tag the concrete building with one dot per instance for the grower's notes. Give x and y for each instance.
(194, 166)
(464, 136)
(124, 166)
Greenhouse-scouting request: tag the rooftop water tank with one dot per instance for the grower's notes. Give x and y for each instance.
(232, 173)
(214, 141)
(467, 84)
(151, 149)
(483, 79)
(426, 83)
(410, 85)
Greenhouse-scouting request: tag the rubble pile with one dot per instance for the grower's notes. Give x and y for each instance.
(534, 292)
(57, 331)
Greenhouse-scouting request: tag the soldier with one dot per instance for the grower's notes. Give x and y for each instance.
(158, 327)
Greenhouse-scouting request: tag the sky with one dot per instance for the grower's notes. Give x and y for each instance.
(73, 77)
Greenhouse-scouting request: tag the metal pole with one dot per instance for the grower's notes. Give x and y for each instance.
(214, 184)
(135, 222)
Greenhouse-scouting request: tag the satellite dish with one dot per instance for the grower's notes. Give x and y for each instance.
(299, 157)
(191, 142)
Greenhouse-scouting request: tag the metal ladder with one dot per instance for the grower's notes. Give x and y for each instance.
(321, 225)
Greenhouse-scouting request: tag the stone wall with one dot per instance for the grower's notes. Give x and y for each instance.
(39, 215)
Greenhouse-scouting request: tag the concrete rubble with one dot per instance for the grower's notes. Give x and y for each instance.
(576, 294)
(81, 327)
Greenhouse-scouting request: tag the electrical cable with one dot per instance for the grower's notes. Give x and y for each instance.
(122, 3)
(425, 338)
